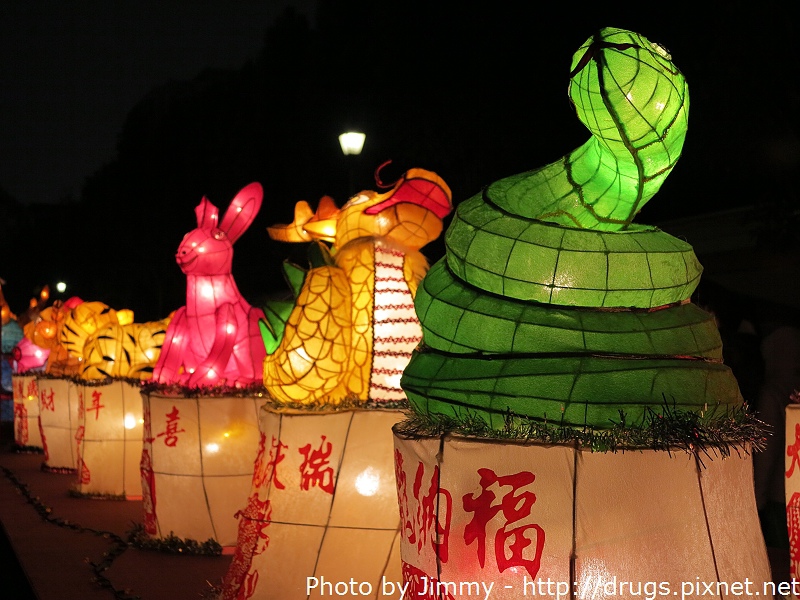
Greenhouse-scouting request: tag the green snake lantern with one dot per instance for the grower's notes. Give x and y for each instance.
(573, 422)
(551, 307)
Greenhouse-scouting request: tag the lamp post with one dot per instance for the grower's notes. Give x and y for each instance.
(352, 142)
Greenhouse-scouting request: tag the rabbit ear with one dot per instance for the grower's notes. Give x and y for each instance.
(207, 214)
(242, 211)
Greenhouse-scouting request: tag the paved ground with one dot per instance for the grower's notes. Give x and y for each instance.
(43, 560)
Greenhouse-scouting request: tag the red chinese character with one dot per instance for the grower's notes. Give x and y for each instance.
(429, 512)
(96, 406)
(252, 541)
(148, 493)
(793, 522)
(84, 475)
(48, 402)
(312, 472)
(515, 505)
(422, 585)
(172, 431)
(430, 508)
(20, 389)
(406, 526)
(21, 423)
(794, 451)
(33, 391)
(274, 459)
(267, 470)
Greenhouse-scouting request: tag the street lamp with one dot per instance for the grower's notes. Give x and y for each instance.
(352, 142)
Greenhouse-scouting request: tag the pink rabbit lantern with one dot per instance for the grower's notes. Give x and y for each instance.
(215, 339)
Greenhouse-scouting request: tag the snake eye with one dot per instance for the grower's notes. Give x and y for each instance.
(661, 50)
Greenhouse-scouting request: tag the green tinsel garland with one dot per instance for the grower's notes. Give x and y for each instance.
(350, 402)
(96, 496)
(20, 449)
(172, 544)
(58, 470)
(118, 545)
(151, 387)
(91, 382)
(668, 430)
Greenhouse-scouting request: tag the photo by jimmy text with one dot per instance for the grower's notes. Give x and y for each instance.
(546, 588)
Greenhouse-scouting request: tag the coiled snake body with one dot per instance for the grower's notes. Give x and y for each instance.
(551, 304)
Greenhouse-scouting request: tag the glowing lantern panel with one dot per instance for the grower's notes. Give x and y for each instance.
(322, 506)
(509, 515)
(550, 305)
(558, 330)
(59, 406)
(45, 331)
(29, 357)
(27, 433)
(84, 320)
(353, 325)
(110, 440)
(214, 339)
(124, 351)
(197, 464)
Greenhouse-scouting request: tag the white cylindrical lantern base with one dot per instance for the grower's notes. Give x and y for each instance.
(110, 440)
(323, 508)
(59, 400)
(197, 464)
(26, 412)
(521, 517)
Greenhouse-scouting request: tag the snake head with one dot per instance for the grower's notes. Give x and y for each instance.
(626, 88)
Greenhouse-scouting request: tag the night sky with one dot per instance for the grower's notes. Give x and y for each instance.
(72, 71)
(474, 93)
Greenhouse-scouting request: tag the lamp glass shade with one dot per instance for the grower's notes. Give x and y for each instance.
(512, 514)
(322, 506)
(197, 464)
(59, 405)
(352, 142)
(110, 440)
(26, 411)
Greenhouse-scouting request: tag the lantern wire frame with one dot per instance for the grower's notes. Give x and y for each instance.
(553, 315)
(352, 327)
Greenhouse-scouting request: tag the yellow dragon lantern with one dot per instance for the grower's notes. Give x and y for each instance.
(352, 326)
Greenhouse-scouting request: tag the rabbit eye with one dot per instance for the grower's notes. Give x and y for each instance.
(219, 234)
